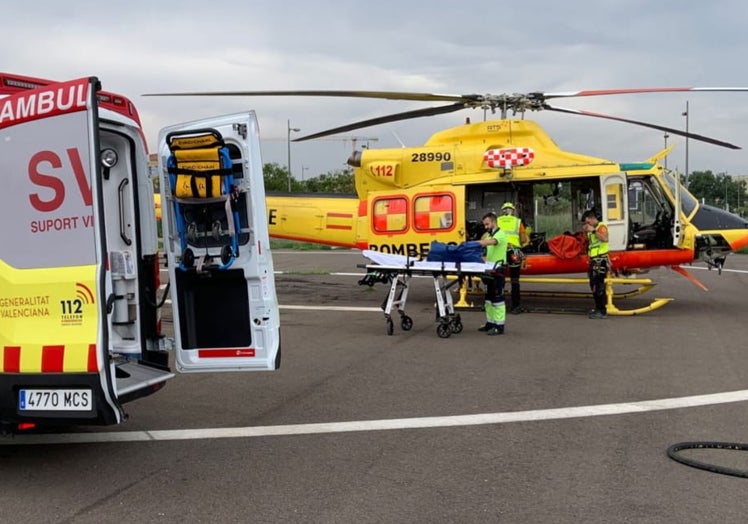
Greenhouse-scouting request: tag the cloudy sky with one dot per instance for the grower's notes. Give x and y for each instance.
(440, 46)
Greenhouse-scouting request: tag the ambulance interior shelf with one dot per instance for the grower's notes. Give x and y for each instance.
(397, 270)
(205, 198)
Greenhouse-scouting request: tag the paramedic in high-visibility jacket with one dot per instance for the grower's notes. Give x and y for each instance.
(516, 237)
(597, 250)
(495, 243)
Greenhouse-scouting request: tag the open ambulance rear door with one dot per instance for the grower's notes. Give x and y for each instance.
(55, 285)
(216, 240)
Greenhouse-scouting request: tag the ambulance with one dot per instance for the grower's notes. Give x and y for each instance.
(80, 266)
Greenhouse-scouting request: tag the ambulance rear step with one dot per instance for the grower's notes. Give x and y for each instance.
(136, 380)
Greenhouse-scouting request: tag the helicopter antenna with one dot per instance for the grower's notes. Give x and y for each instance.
(402, 144)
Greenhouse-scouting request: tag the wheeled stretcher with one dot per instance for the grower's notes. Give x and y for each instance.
(204, 196)
(397, 270)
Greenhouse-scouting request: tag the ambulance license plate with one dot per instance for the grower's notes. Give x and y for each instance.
(55, 400)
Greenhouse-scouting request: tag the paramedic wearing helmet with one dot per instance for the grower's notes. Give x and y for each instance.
(597, 236)
(495, 243)
(516, 237)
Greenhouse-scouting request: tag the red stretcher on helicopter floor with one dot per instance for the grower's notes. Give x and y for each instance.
(397, 270)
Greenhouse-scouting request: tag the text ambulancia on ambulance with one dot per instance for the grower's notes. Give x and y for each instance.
(80, 329)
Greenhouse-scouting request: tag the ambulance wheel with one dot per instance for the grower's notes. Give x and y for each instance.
(188, 258)
(406, 323)
(457, 326)
(226, 254)
(444, 330)
(390, 327)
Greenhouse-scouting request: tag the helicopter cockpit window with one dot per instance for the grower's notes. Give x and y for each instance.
(390, 215)
(433, 212)
(687, 201)
(644, 204)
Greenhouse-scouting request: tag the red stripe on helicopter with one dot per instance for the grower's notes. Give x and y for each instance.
(347, 217)
(226, 353)
(509, 157)
(596, 92)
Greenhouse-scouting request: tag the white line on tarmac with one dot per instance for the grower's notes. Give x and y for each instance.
(321, 273)
(385, 424)
(723, 269)
(332, 308)
(320, 308)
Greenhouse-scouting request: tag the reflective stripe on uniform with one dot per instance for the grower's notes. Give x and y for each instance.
(596, 248)
(510, 225)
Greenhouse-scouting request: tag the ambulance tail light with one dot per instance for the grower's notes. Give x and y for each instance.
(25, 426)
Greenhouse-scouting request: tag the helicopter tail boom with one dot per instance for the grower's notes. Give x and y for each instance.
(329, 220)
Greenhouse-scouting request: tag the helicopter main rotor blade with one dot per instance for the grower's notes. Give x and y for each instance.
(601, 92)
(516, 102)
(386, 95)
(416, 113)
(702, 138)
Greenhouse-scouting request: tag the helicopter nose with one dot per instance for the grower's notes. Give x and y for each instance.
(722, 226)
(737, 239)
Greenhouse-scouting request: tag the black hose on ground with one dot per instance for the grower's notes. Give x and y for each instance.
(673, 450)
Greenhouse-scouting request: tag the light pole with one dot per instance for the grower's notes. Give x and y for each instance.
(303, 168)
(288, 143)
(686, 115)
(727, 205)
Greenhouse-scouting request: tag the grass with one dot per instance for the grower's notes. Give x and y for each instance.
(556, 224)
(276, 243)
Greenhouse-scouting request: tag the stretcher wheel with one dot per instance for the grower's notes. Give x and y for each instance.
(188, 258)
(444, 330)
(406, 323)
(226, 254)
(390, 326)
(457, 326)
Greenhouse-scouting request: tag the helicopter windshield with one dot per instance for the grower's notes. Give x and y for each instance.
(688, 202)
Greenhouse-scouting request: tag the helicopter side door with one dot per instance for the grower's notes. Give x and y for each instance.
(615, 210)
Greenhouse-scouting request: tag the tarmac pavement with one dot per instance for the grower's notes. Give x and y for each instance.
(562, 419)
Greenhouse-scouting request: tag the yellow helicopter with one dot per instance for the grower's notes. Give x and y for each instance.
(408, 197)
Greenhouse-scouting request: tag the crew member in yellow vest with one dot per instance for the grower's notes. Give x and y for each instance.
(597, 250)
(495, 243)
(516, 237)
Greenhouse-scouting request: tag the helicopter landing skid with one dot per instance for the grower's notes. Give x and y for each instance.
(643, 285)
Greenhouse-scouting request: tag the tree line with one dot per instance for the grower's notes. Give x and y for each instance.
(338, 181)
(719, 190)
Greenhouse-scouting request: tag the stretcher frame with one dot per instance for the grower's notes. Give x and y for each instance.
(398, 270)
